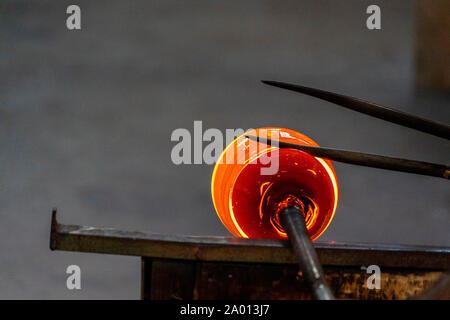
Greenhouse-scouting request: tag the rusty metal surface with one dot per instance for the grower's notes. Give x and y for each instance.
(432, 45)
(230, 249)
(440, 291)
(171, 279)
(240, 281)
(199, 280)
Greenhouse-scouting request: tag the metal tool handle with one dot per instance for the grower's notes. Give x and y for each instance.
(293, 223)
(375, 110)
(365, 159)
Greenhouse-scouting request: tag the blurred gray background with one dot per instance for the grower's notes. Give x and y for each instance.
(86, 118)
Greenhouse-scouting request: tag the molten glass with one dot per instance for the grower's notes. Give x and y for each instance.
(248, 202)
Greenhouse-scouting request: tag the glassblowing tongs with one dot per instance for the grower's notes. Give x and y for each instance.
(365, 159)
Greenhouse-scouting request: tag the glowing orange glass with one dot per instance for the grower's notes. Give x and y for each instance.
(247, 202)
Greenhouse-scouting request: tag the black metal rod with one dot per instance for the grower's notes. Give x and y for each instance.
(365, 159)
(372, 109)
(293, 223)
